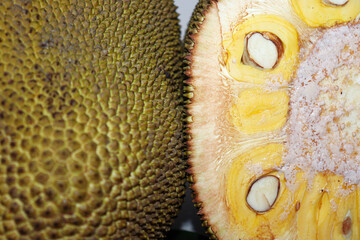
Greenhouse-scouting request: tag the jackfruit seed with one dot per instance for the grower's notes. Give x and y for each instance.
(262, 50)
(263, 193)
(336, 3)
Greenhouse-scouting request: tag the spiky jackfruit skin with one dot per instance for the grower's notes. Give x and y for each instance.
(91, 119)
(194, 25)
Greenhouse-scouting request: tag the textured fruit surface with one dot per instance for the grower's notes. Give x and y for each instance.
(274, 118)
(91, 120)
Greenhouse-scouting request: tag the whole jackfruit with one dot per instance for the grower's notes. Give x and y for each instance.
(91, 119)
(273, 95)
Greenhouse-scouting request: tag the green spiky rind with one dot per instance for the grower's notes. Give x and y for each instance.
(195, 22)
(194, 25)
(91, 119)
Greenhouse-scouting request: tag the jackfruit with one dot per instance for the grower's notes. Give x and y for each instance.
(91, 119)
(274, 118)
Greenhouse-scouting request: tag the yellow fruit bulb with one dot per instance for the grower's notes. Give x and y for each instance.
(320, 13)
(257, 110)
(279, 217)
(335, 212)
(265, 24)
(344, 212)
(307, 217)
(325, 216)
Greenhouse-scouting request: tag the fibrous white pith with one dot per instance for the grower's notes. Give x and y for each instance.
(323, 118)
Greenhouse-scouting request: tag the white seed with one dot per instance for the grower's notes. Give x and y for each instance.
(263, 193)
(262, 51)
(336, 2)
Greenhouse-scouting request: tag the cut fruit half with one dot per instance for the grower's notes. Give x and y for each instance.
(274, 119)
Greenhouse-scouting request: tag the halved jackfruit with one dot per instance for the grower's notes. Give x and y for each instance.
(91, 119)
(274, 159)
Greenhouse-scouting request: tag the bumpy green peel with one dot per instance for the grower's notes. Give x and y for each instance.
(91, 119)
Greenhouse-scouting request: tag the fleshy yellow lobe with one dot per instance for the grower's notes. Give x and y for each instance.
(319, 13)
(257, 110)
(235, 48)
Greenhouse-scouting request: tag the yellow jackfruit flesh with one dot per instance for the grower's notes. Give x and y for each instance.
(235, 47)
(91, 141)
(320, 13)
(257, 110)
(273, 104)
